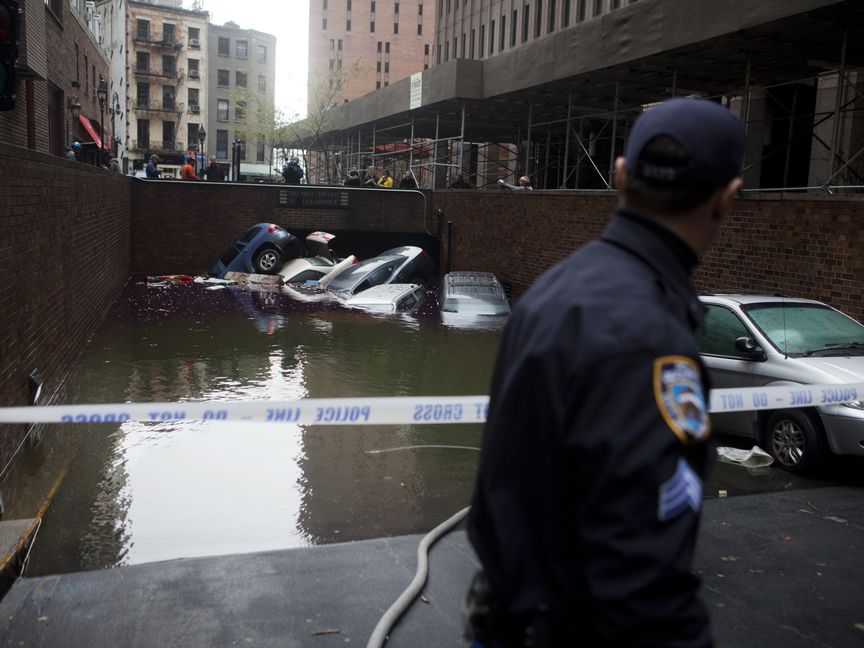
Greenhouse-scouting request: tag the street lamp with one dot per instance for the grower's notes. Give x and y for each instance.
(101, 94)
(202, 134)
(75, 107)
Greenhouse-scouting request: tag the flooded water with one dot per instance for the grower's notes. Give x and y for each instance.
(140, 492)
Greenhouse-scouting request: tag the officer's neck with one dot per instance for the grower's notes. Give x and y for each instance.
(678, 245)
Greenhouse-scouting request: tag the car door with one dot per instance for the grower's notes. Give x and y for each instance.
(727, 366)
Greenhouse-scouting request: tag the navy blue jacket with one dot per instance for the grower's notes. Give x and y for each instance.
(589, 486)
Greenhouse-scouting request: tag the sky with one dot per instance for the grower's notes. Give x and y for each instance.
(288, 20)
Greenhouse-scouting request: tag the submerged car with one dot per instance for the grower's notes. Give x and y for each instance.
(321, 267)
(755, 341)
(406, 264)
(388, 298)
(263, 249)
(473, 299)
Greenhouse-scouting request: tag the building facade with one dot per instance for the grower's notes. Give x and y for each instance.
(166, 49)
(61, 60)
(242, 79)
(358, 46)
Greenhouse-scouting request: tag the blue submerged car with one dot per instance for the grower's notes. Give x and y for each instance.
(263, 249)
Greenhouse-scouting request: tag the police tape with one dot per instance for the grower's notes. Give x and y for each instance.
(397, 410)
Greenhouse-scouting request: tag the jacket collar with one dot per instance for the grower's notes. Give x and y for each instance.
(663, 251)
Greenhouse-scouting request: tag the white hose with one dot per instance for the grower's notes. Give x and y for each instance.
(401, 605)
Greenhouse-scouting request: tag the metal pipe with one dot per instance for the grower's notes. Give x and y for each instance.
(841, 85)
(434, 150)
(411, 146)
(528, 140)
(567, 141)
(789, 136)
(462, 140)
(449, 246)
(614, 136)
(746, 106)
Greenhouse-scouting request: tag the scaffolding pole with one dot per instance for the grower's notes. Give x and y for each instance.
(841, 84)
(567, 141)
(528, 140)
(462, 139)
(614, 136)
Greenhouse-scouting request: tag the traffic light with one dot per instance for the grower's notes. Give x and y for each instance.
(9, 21)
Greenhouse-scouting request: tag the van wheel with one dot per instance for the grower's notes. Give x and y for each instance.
(267, 261)
(795, 441)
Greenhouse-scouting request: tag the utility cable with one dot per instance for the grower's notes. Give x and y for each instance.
(401, 605)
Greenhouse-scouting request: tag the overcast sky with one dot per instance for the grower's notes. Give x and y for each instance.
(288, 20)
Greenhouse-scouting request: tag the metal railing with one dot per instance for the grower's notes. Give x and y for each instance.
(172, 107)
(158, 41)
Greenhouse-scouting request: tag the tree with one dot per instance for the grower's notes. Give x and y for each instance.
(259, 120)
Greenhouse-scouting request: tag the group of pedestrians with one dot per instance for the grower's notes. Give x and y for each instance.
(212, 172)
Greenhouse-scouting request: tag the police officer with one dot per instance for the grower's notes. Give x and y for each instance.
(589, 488)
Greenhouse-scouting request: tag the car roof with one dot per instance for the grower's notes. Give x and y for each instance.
(473, 285)
(745, 299)
(382, 294)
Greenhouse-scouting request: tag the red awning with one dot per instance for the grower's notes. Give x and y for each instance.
(92, 132)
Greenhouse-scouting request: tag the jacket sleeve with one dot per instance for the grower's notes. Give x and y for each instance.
(639, 460)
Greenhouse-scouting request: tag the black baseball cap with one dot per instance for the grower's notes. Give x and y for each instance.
(712, 137)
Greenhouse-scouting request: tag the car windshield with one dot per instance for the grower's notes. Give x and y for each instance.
(807, 329)
(347, 279)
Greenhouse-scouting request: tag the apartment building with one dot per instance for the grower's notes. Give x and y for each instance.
(358, 46)
(61, 60)
(242, 79)
(167, 61)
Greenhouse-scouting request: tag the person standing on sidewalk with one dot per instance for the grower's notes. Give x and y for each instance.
(597, 441)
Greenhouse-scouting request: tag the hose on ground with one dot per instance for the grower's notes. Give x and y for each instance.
(406, 598)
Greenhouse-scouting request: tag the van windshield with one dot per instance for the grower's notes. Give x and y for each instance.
(807, 329)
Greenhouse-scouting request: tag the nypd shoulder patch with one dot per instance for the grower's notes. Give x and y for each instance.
(679, 396)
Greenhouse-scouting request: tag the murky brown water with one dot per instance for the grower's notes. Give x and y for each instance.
(140, 492)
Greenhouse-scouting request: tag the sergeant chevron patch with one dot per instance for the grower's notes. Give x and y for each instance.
(680, 491)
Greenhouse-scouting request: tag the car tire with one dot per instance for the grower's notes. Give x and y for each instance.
(795, 440)
(267, 260)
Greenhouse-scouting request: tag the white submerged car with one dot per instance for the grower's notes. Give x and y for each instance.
(321, 267)
(473, 300)
(388, 298)
(757, 340)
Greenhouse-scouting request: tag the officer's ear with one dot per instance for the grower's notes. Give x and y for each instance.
(727, 197)
(621, 178)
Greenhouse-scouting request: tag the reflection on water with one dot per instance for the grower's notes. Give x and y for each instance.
(140, 492)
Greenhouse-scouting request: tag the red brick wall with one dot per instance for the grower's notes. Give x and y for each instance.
(805, 248)
(183, 227)
(64, 257)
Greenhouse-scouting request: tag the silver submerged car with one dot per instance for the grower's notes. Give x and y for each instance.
(473, 299)
(757, 340)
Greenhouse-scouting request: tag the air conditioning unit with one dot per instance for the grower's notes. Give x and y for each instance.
(194, 42)
(193, 74)
(193, 108)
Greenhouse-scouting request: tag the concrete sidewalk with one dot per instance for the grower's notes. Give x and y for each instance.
(782, 569)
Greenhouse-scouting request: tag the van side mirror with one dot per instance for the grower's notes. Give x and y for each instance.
(749, 347)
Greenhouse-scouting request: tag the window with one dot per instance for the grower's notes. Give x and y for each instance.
(87, 75)
(538, 19)
(143, 95)
(371, 26)
(426, 57)
(240, 111)
(194, 106)
(168, 98)
(799, 328)
(722, 328)
(143, 133)
(224, 47)
(223, 78)
(551, 25)
(581, 10)
(259, 153)
(462, 52)
(142, 62)
(455, 46)
(262, 54)
(616, 4)
(565, 20)
(222, 145)
(168, 33)
(396, 18)
(491, 38)
(503, 33)
(222, 109)
(471, 48)
(169, 65)
(142, 31)
(598, 7)
(168, 135)
(262, 83)
(192, 136)
(525, 14)
(194, 38)
(241, 48)
(193, 68)
(348, 17)
(513, 28)
(240, 79)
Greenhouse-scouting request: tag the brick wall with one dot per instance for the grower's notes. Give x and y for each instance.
(64, 257)
(810, 248)
(183, 227)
